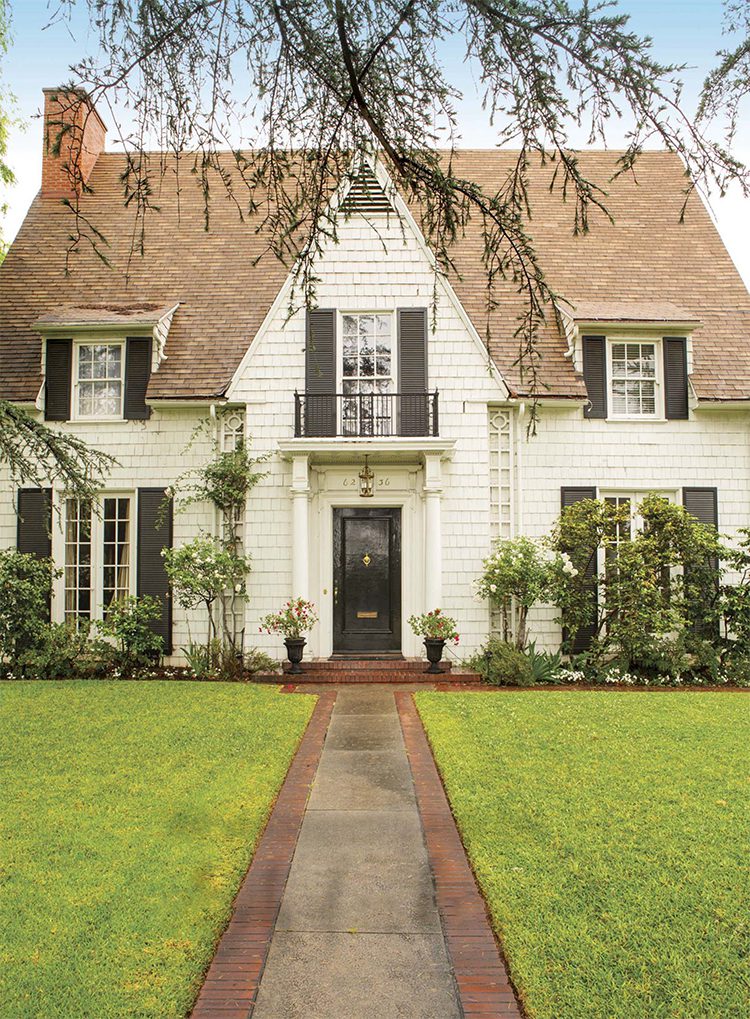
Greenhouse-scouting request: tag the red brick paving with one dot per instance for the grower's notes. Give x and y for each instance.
(231, 983)
(481, 975)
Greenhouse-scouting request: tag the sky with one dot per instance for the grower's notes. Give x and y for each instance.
(44, 48)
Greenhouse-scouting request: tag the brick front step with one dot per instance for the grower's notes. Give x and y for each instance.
(368, 665)
(367, 676)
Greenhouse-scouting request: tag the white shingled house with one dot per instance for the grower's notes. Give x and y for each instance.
(646, 371)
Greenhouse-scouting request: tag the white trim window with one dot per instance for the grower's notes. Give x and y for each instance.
(97, 556)
(368, 369)
(77, 572)
(99, 380)
(116, 542)
(634, 378)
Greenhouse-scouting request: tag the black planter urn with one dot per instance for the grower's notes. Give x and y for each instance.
(434, 648)
(295, 647)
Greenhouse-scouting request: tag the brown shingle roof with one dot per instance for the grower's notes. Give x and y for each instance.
(139, 313)
(224, 291)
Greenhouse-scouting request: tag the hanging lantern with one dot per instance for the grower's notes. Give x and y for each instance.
(366, 481)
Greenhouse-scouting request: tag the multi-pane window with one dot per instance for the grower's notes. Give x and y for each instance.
(634, 379)
(97, 556)
(115, 550)
(99, 380)
(78, 567)
(367, 374)
(232, 431)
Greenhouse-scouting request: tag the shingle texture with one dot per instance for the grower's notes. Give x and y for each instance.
(225, 280)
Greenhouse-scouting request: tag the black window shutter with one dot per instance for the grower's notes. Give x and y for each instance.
(675, 378)
(34, 528)
(152, 577)
(703, 504)
(137, 375)
(570, 496)
(57, 380)
(320, 373)
(595, 375)
(412, 371)
(34, 525)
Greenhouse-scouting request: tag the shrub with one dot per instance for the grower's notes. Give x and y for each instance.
(502, 664)
(65, 651)
(128, 624)
(215, 660)
(658, 588)
(219, 661)
(25, 592)
(258, 663)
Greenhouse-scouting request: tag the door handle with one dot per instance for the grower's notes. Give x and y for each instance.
(335, 595)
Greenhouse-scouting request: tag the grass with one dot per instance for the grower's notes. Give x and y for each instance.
(610, 834)
(128, 816)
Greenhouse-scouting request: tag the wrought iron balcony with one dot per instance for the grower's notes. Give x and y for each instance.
(365, 415)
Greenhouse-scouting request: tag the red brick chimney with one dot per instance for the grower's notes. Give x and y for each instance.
(74, 136)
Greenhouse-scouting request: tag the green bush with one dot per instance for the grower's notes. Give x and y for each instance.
(258, 663)
(502, 664)
(66, 652)
(25, 591)
(128, 623)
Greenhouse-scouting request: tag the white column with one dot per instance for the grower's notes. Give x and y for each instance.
(433, 533)
(300, 527)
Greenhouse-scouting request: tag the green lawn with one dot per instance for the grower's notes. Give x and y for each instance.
(610, 833)
(128, 815)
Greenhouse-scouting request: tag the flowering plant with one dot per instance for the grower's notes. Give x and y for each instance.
(514, 577)
(297, 617)
(435, 626)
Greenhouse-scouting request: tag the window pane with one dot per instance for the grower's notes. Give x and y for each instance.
(116, 574)
(77, 560)
(99, 380)
(367, 367)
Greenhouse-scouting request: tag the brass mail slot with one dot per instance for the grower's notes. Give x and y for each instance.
(367, 615)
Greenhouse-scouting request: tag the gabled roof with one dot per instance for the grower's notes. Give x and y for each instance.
(225, 280)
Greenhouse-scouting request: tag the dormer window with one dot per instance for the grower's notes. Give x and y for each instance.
(634, 380)
(99, 380)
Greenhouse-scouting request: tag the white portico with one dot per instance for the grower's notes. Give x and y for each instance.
(400, 524)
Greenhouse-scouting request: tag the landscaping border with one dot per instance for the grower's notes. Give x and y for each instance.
(445, 687)
(231, 983)
(480, 971)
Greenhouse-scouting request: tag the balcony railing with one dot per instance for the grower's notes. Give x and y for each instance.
(365, 415)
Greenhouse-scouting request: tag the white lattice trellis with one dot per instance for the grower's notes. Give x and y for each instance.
(502, 482)
(231, 434)
(502, 473)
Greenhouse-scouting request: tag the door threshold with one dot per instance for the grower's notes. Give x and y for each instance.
(370, 656)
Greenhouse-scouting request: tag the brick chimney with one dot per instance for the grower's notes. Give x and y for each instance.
(74, 136)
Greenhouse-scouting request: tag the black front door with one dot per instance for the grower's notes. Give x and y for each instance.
(367, 580)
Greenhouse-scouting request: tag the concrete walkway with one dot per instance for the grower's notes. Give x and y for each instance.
(358, 933)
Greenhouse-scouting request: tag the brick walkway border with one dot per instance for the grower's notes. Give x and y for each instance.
(231, 984)
(480, 972)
